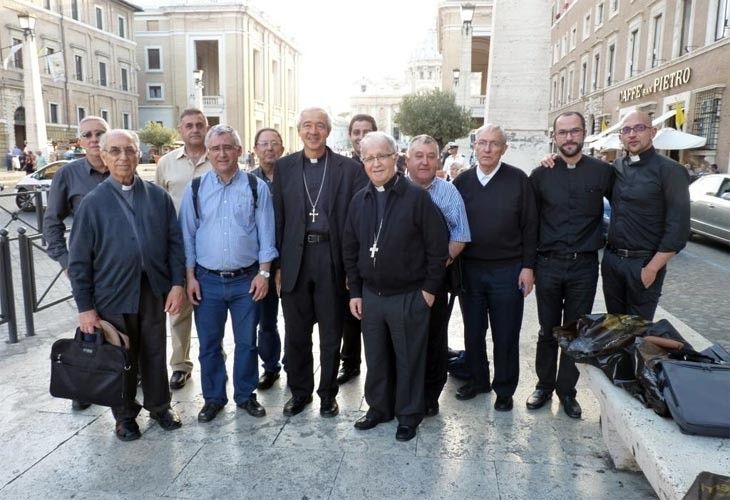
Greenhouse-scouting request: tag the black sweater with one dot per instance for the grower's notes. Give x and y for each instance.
(502, 217)
(412, 247)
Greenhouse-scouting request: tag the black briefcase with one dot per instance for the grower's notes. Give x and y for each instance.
(94, 372)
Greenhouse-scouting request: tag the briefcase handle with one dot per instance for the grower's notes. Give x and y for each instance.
(106, 332)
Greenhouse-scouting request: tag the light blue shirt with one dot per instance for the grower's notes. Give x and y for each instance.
(451, 204)
(228, 235)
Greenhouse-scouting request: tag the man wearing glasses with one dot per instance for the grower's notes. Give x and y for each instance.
(649, 221)
(498, 265)
(569, 197)
(268, 148)
(126, 265)
(174, 172)
(395, 250)
(70, 184)
(312, 190)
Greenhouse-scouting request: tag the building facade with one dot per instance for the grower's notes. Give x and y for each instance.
(87, 56)
(670, 58)
(249, 69)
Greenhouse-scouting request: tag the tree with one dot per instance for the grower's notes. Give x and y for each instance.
(157, 135)
(434, 113)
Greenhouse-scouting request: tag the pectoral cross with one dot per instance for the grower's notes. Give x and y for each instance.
(313, 214)
(373, 250)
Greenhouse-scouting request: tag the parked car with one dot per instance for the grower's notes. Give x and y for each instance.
(40, 180)
(709, 198)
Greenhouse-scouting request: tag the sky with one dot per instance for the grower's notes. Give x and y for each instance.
(343, 40)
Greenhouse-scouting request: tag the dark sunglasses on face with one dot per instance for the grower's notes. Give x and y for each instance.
(95, 133)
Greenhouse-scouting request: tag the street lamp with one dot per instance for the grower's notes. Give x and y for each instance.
(35, 118)
(456, 77)
(467, 15)
(198, 88)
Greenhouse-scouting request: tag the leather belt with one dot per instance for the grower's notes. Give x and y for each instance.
(565, 255)
(232, 273)
(630, 254)
(313, 238)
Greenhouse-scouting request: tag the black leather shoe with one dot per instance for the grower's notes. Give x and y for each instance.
(77, 405)
(167, 419)
(267, 380)
(571, 407)
(538, 398)
(503, 403)
(405, 433)
(328, 407)
(178, 379)
(347, 374)
(432, 409)
(296, 404)
(470, 390)
(367, 422)
(253, 407)
(127, 430)
(209, 412)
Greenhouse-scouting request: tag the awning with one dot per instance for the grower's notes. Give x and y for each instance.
(669, 138)
(613, 128)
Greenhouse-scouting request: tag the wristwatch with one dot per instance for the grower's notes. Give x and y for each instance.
(265, 274)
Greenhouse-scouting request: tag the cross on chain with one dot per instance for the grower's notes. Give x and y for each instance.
(313, 214)
(373, 250)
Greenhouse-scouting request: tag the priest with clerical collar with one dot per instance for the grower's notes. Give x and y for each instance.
(395, 251)
(312, 190)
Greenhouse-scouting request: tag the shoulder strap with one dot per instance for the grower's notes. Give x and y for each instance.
(253, 184)
(196, 187)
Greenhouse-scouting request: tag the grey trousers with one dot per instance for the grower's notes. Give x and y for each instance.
(395, 335)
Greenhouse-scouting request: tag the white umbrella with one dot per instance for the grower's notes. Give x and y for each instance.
(669, 138)
(610, 141)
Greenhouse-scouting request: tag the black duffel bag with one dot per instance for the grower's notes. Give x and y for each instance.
(95, 372)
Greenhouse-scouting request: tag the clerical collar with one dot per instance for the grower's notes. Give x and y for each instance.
(641, 157)
(128, 188)
(388, 185)
(314, 161)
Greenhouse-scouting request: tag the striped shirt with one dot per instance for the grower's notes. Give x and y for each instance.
(449, 201)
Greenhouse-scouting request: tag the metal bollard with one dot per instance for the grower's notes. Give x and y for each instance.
(7, 301)
(38, 196)
(27, 273)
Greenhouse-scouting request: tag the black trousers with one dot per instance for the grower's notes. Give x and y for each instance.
(147, 348)
(314, 299)
(351, 340)
(492, 296)
(437, 348)
(395, 334)
(622, 287)
(565, 291)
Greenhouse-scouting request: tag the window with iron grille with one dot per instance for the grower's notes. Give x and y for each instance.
(707, 116)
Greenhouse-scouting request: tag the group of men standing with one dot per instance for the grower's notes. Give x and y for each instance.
(354, 246)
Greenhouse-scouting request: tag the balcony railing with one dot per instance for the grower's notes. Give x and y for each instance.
(478, 103)
(213, 101)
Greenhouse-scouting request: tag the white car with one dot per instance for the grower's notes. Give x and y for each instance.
(40, 180)
(709, 198)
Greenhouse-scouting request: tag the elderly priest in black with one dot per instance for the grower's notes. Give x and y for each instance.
(395, 251)
(312, 190)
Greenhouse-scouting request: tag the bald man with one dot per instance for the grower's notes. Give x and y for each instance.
(649, 221)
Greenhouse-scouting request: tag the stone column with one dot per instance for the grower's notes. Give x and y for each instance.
(518, 87)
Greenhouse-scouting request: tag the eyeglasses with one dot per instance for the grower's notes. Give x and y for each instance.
(636, 128)
(128, 150)
(571, 132)
(268, 144)
(380, 157)
(226, 148)
(490, 144)
(95, 133)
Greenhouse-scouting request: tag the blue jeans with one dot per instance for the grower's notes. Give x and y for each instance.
(269, 340)
(221, 295)
(492, 296)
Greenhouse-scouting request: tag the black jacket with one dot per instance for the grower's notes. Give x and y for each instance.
(345, 178)
(105, 265)
(412, 248)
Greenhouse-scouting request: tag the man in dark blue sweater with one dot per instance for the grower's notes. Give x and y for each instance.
(126, 265)
(498, 265)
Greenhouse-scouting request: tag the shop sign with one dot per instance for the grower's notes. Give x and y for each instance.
(660, 83)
